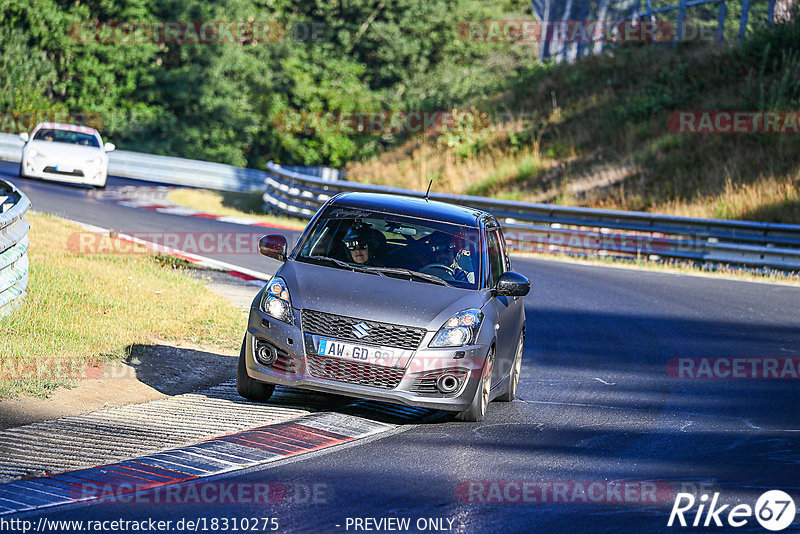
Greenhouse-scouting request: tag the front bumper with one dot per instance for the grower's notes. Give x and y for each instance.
(410, 382)
(82, 172)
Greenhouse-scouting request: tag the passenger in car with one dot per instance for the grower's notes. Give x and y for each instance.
(448, 250)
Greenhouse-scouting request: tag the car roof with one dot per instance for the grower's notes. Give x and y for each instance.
(411, 207)
(68, 127)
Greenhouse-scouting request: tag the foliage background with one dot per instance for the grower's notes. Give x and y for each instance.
(219, 101)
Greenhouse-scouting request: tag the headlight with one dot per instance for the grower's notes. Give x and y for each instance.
(276, 302)
(461, 329)
(97, 161)
(32, 153)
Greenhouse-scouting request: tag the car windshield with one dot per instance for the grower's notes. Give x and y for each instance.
(66, 136)
(420, 250)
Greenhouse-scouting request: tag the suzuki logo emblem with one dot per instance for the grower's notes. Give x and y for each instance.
(361, 330)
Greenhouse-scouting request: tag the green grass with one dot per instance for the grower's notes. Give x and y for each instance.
(83, 309)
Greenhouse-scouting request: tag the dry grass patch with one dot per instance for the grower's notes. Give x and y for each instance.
(83, 309)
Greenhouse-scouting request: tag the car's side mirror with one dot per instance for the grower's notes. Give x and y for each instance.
(109, 147)
(273, 246)
(512, 284)
(24, 136)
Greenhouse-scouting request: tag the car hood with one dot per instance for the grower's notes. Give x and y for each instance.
(65, 150)
(377, 298)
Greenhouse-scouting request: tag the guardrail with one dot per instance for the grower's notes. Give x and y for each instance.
(300, 191)
(13, 245)
(550, 228)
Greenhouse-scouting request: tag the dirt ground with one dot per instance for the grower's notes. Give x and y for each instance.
(151, 372)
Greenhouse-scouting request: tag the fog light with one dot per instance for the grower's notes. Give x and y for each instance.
(447, 383)
(265, 354)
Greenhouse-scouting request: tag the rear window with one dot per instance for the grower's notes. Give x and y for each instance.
(66, 136)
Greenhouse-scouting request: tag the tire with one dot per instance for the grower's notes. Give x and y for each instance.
(513, 378)
(247, 387)
(477, 410)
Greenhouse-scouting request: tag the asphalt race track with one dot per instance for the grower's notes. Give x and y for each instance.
(604, 435)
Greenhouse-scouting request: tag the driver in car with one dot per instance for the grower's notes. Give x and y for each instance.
(361, 245)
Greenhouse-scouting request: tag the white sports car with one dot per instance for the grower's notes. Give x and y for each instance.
(65, 153)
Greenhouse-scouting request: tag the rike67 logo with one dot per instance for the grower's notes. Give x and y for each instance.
(774, 510)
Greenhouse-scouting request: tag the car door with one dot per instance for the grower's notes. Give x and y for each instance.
(507, 308)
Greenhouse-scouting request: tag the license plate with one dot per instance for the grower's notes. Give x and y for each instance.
(349, 351)
(64, 168)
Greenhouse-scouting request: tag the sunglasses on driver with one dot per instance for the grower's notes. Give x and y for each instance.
(355, 245)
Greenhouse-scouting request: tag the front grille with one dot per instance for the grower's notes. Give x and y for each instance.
(286, 364)
(364, 374)
(52, 170)
(424, 386)
(341, 327)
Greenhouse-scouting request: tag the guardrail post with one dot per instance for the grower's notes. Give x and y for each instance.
(743, 19)
(679, 34)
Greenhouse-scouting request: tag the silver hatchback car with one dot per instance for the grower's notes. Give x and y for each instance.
(390, 298)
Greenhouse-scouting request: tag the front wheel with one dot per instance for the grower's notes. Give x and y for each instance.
(513, 378)
(247, 387)
(477, 410)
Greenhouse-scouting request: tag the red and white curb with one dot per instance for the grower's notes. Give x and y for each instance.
(155, 198)
(125, 450)
(254, 447)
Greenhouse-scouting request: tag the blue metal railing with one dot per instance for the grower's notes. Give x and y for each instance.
(620, 11)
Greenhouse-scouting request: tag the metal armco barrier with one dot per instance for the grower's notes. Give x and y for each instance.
(550, 228)
(300, 191)
(13, 245)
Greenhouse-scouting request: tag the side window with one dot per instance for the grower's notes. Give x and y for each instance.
(507, 262)
(497, 261)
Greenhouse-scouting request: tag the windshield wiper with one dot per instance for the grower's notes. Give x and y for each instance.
(343, 264)
(380, 271)
(408, 272)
